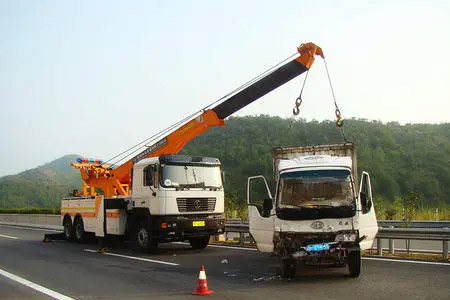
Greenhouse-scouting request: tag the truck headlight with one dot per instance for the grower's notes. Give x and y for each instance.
(345, 237)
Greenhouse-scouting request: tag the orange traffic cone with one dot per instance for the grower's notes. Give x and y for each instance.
(202, 284)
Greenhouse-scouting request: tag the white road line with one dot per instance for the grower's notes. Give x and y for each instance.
(9, 237)
(135, 258)
(408, 261)
(222, 246)
(232, 247)
(367, 258)
(30, 228)
(35, 286)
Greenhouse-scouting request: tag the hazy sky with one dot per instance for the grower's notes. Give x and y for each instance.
(95, 77)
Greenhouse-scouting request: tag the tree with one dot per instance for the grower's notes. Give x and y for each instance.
(410, 203)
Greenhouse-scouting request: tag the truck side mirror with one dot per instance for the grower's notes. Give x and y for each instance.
(362, 197)
(223, 176)
(365, 202)
(267, 205)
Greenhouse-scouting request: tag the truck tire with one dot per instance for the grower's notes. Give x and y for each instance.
(68, 229)
(143, 239)
(288, 268)
(79, 230)
(199, 243)
(354, 263)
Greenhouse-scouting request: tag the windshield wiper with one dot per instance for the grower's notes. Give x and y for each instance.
(329, 206)
(187, 185)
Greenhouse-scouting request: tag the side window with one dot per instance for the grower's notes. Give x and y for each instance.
(148, 175)
(258, 194)
(365, 194)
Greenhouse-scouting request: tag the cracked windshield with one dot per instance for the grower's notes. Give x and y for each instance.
(191, 176)
(320, 188)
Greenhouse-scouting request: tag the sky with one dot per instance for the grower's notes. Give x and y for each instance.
(96, 77)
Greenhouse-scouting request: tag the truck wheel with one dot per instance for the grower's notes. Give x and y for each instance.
(68, 229)
(354, 263)
(143, 239)
(79, 230)
(288, 268)
(199, 243)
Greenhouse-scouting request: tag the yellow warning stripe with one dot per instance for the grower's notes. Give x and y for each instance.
(77, 208)
(113, 215)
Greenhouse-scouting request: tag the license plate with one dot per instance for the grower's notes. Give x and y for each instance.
(317, 247)
(198, 223)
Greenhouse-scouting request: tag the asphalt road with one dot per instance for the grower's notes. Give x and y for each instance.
(72, 270)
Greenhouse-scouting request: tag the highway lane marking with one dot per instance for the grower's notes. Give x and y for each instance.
(226, 247)
(232, 247)
(30, 228)
(408, 261)
(35, 286)
(135, 258)
(221, 246)
(9, 237)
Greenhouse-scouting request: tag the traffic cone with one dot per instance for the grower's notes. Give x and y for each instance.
(202, 284)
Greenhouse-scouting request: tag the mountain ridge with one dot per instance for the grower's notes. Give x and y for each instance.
(400, 158)
(42, 186)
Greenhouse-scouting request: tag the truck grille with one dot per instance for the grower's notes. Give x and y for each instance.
(196, 204)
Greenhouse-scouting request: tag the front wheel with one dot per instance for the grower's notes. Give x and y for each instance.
(143, 238)
(354, 263)
(199, 243)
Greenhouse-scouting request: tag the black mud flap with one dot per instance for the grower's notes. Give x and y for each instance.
(49, 237)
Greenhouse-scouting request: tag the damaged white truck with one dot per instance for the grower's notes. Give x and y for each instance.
(317, 215)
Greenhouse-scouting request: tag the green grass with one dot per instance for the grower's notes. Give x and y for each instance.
(431, 214)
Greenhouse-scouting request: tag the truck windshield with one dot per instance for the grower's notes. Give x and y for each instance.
(315, 189)
(191, 176)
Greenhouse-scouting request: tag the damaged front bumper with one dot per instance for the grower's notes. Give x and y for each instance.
(316, 248)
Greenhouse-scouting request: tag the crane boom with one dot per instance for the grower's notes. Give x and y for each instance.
(118, 181)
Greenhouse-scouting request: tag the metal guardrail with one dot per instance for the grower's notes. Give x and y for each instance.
(390, 230)
(41, 219)
(432, 233)
(385, 223)
(414, 224)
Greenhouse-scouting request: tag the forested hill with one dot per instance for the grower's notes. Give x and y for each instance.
(43, 186)
(399, 158)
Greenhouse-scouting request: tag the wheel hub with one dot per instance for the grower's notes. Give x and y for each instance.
(79, 231)
(142, 237)
(67, 230)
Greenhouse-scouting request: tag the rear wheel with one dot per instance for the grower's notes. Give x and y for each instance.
(354, 263)
(143, 239)
(288, 268)
(199, 243)
(68, 229)
(79, 230)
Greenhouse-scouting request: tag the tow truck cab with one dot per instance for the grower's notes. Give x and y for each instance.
(181, 196)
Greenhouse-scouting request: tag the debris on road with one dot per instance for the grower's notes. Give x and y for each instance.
(268, 278)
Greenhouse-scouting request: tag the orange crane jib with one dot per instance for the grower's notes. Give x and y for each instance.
(118, 181)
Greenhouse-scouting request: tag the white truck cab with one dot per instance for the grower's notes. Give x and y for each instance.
(318, 213)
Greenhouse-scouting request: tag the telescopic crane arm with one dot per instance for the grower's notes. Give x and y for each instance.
(118, 181)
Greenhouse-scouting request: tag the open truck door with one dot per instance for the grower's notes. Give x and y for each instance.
(368, 227)
(260, 213)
